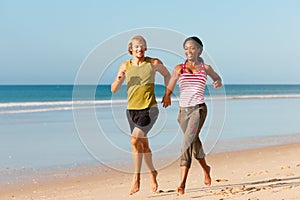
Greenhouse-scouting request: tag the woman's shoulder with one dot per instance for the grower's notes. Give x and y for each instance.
(178, 68)
(207, 67)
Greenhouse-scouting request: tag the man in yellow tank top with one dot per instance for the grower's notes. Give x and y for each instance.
(142, 110)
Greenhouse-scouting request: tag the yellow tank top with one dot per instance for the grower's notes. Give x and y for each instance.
(140, 85)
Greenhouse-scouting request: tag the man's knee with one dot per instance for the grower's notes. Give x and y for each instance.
(145, 145)
(136, 144)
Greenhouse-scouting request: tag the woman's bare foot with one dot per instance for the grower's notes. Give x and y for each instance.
(135, 187)
(154, 184)
(207, 179)
(180, 190)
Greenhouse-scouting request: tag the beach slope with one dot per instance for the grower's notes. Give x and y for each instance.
(256, 174)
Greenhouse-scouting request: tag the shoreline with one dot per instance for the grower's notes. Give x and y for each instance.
(250, 173)
(222, 146)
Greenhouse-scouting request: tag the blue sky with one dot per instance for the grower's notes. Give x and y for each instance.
(45, 42)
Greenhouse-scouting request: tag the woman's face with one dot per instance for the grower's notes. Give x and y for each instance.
(138, 48)
(191, 50)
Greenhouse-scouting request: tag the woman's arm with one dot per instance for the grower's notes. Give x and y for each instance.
(166, 100)
(217, 81)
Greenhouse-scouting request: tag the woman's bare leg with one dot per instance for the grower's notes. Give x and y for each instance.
(184, 175)
(206, 171)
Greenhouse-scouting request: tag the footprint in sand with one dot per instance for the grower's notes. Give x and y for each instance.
(288, 187)
(267, 188)
(255, 198)
(284, 188)
(252, 189)
(238, 189)
(258, 173)
(290, 174)
(264, 172)
(162, 191)
(221, 180)
(285, 167)
(252, 174)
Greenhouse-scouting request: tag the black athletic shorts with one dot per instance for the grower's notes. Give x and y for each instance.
(142, 119)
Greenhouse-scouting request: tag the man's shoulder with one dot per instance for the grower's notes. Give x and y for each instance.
(154, 61)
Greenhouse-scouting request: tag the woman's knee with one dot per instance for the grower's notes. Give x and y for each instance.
(185, 163)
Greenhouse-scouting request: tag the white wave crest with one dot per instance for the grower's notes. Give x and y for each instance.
(29, 107)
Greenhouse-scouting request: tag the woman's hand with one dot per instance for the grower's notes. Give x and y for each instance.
(217, 84)
(166, 101)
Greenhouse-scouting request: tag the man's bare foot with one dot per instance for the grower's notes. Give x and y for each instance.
(135, 187)
(180, 190)
(154, 184)
(207, 179)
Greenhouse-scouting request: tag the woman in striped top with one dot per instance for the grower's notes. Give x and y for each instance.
(191, 76)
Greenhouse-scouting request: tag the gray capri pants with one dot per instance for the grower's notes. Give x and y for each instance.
(191, 120)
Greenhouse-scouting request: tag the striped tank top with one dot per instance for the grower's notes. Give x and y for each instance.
(192, 86)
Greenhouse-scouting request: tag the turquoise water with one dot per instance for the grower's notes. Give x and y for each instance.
(41, 128)
(42, 98)
(50, 93)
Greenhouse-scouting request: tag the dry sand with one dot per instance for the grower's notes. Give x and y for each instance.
(271, 173)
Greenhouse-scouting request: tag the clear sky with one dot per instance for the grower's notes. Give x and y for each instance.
(45, 42)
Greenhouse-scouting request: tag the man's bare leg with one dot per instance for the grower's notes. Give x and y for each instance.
(135, 187)
(149, 164)
(137, 156)
(206, 171)
(184, 174)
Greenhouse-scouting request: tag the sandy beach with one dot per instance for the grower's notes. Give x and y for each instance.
(255, 174)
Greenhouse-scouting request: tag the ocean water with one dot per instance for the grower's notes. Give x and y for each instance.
(57, 93)
(49, 127)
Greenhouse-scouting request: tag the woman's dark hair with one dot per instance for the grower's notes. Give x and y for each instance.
(195, 39)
